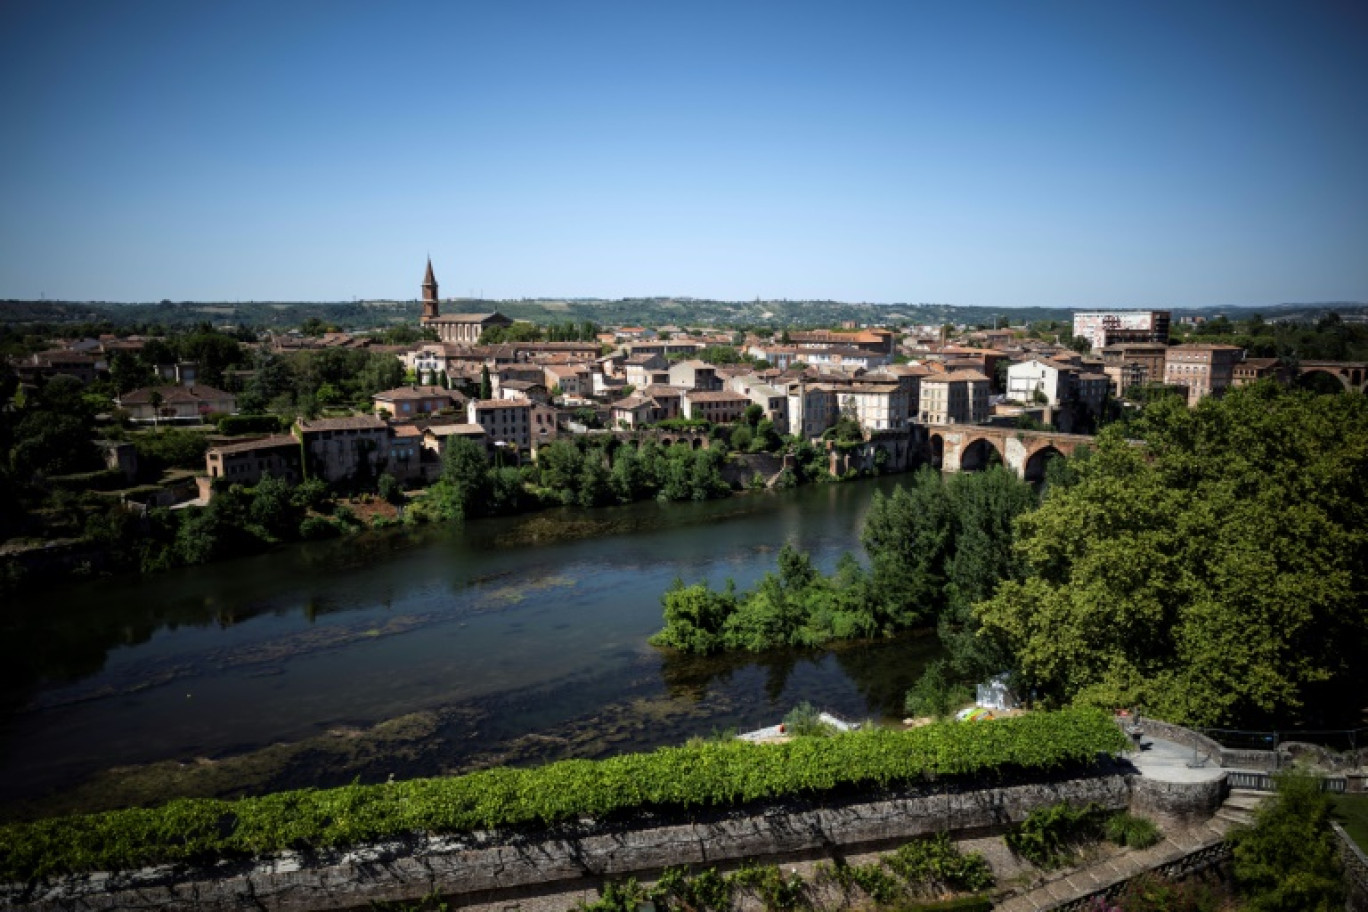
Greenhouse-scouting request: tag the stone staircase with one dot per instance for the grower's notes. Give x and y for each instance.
(1239, 807)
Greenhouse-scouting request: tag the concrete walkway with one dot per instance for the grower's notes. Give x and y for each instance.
(1166, 761)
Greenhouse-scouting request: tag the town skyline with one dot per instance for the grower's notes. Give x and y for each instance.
(1053, 155)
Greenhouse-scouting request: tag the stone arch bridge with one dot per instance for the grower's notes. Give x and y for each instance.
(1352, 375)
(968, 447)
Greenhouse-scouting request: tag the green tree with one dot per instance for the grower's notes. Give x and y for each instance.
(1218, 576)
(1287, 860)
(465, 484)
(909, 538)
(694, 616)
(389, 489)
(486, 387)
(155, 400)
(985, 504)
(128, 373)
(272, 508)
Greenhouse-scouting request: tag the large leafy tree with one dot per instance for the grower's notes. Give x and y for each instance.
(1218, 574)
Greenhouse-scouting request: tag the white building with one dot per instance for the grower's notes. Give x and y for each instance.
(876, 406)
(1052, 380)
(1110, 327)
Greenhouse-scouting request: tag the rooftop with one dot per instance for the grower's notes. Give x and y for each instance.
(266, 443)
(354, 423)
(417, 392)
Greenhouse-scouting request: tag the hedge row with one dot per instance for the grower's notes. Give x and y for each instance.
(252, 424)
(712, 774)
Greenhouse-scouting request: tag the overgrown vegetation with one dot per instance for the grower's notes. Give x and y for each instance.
(1286, 860)
(1050, 836)
(1149, 893)
(1132, 831)
(930, 866)
(707, 774)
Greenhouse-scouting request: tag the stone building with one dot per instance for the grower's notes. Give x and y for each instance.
(1206, 370)
(505, 422)
(247, 463)
(343, 448)
(960, 397)
(717, 406)
(1132, 365)
(414, 401)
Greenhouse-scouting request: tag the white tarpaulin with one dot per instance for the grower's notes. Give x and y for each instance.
(996, 694)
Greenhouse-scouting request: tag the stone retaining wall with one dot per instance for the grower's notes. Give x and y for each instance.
(1177, 802)
(1355, 870)
(488, 865)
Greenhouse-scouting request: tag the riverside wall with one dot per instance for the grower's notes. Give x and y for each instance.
(490, 867)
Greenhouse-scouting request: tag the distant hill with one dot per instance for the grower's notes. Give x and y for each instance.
(658, 311)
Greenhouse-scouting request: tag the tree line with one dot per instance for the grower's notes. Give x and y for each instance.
(933, 547)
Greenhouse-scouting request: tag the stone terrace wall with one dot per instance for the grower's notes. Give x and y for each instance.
(484, 866)
(1177, 802)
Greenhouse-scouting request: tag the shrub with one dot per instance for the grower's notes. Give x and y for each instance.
(1148, 893)
(250, 424)
(936, 694)
(389, 488)
(873, 879)
(804, 720)
(1127, 829)
(937, 863)
(102, 480)
(1048, 835)
(315, 528)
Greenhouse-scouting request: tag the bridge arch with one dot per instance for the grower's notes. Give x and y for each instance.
(1034, 469)
(1318, 380)
(981, 453)
(937, 446)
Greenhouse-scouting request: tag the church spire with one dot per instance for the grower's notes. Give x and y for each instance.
(429, 294)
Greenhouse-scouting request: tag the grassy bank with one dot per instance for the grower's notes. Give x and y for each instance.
(713, 774)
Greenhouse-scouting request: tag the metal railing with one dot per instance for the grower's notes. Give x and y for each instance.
(1265, 782)
(1339, 739)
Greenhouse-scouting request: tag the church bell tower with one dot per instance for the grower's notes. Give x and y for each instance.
(429, 294)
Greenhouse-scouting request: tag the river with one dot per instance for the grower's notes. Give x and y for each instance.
(415, 652)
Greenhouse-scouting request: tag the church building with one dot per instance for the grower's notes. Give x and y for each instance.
(465, 328)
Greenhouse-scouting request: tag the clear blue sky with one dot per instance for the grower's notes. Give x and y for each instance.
(975, 153)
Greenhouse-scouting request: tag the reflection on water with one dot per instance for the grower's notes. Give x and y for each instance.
(515, 640)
